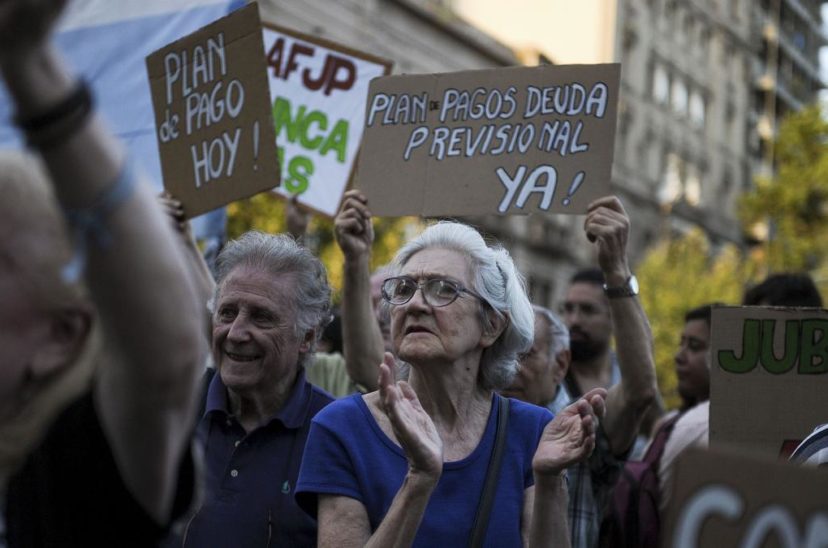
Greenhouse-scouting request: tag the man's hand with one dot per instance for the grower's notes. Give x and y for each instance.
(608, 225)
(25, 24)
(297, 218)
(352, 226)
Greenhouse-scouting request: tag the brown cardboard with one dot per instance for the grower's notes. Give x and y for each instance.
(758, 410)
(455, 170)
(318, 91)
(726, 499)
(206, 74)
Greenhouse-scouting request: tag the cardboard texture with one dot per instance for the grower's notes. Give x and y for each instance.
(318, 91)
(212, 114)
(723, 499)
(769, 376)
(509, 140)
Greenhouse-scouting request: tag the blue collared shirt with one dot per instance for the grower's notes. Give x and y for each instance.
(250, 477)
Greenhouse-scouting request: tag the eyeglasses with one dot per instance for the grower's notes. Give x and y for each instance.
(437, 292)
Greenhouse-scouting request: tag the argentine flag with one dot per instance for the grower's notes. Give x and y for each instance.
(106, 41)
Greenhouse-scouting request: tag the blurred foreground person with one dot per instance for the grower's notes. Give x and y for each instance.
(94, 444)
(409, 464)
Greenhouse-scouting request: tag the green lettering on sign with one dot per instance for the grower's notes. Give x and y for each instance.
(749, 356)
(814, 355)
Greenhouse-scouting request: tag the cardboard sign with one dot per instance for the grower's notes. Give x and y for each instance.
(769, 376)
(318, 91)
(510, 140)
(723, 499)
(212, 114)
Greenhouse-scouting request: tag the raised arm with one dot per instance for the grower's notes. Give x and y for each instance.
(361, 336)
(608, 225)
(202, 278)
(145, 391)
(343, 521)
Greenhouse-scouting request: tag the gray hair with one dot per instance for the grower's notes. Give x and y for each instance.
(280, 254)
(558, 332)
(497, 281)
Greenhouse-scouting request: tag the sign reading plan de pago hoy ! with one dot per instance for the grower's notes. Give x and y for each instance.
(510, 140)
(769, 377)
(212, 114)
(723, 499)
(318, 91)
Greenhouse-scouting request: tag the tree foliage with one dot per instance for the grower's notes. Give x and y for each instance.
(793, 204)
(683, 272)
(680, 274)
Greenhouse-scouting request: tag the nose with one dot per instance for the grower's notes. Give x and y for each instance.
(239, 330)
(418, 300)
(679, 358)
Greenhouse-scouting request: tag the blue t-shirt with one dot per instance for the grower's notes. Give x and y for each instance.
(348, 454)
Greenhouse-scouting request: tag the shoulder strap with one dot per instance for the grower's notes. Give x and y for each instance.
(484, 507)
(656, 448)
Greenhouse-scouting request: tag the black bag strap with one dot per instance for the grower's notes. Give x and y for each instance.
(484, 507)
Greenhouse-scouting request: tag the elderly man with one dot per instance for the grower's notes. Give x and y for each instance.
(271, 303)
(544, 366)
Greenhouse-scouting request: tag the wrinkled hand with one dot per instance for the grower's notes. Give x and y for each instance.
(297, 218)
(352, 226)
(174, 210)
(25, 24)
(414, 429)
(608, 225)
(570, 436)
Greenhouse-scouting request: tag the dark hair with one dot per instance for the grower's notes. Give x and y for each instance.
(588, 275)
(702, 312)
(786, 289)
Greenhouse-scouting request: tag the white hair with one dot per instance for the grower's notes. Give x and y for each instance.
(558, 332)
(501, 286)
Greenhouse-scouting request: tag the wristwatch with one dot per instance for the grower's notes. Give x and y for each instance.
(629, 289)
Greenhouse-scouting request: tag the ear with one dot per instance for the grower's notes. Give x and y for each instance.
(562, 361)
(496, 326)
(307, 341)
(67, 332)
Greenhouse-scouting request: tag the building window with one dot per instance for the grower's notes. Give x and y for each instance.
(679, 96)
(697, 109)
(671, 181)
(661, 85)
(692, 185)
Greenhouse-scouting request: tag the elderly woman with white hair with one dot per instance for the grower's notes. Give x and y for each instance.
(425, 461)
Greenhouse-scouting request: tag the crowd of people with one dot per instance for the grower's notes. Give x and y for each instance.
(145, 401)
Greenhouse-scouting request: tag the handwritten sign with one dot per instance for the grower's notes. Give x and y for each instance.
(318, 91)
(212, 113)
(723, 499)
(769, 377)
(512, 140)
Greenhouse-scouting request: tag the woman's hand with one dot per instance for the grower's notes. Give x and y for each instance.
(570, 436)
(414, 429)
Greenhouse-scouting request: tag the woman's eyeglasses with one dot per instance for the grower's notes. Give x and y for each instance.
(437, 292)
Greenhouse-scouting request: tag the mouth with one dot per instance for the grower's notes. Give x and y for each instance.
(240, 357)
(416, 329)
